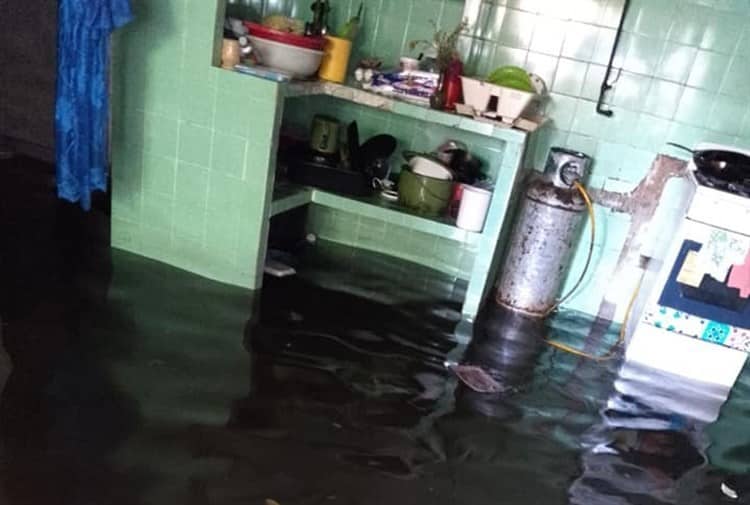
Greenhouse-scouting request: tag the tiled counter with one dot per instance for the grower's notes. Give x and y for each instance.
(194, 156)
(192, 145)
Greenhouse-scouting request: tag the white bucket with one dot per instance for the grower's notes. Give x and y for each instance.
(475, 202)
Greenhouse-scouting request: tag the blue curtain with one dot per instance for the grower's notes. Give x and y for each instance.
(82, 107)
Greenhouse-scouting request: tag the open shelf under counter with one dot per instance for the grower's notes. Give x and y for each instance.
(288, 196)
(479, 126)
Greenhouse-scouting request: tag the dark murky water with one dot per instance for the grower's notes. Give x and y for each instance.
(135, 383)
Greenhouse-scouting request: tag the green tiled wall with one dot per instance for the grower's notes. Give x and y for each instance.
(191, 145)
(684, 67)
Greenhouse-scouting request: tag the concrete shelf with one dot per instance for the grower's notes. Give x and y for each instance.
(288, 196)
(483, 127)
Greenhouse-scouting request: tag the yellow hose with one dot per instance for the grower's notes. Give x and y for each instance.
(564, 347)
(592, 217)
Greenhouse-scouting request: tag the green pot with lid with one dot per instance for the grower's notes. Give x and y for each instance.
(422, 194)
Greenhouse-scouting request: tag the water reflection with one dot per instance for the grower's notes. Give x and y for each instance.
(135, 387)
(506, 345)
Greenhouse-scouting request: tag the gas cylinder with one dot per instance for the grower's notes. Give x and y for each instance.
(544, 237)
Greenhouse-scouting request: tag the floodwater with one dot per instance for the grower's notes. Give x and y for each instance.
(136, 383)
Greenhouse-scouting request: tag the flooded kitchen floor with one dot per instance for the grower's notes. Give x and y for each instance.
(137, 383)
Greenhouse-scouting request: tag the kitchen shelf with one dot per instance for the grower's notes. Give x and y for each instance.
(288, 196)
(485, 127)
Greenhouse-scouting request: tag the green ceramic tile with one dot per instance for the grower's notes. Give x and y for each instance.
(663, 98)
(611, 13)
(605, 41)
(580, 41)
(676, 62)
(155, 242)
(630, 90)
(562, 110)
(517, 29)
(649, 17)
(608, 159)
(189, 222)
(745, 129)
(126, 234)
(580, 142)
(721, 32)
(686, 135)
(229, 154)
(736, 81)
(587, 12)
(197, 102)
(223, 232)
(201, 19)
(156, 211)
(127, 167)
(495, 22)
(127, 199)
(635, 167)
(195, 144)
(162, 14)
(619, 127)
(452, 13)
(509, 56)
(159, 174)
(197, 58)
(694, 107)
(643, 54)
(651, 132)
(225, 193)
(230, 114)
(569, 77)
(708, 71)
(192, 184)
(160, 135)
(743, 46)
(391, 35)
(689, 24)
(727, 114)
(549, 36)
(592, 83)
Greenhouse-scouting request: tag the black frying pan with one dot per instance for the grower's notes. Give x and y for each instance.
(724, 165)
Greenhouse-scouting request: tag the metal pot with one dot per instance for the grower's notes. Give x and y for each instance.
(727, 166)
(424, 195)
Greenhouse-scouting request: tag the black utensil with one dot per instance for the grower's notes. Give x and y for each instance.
(374, 155)
(466, 167)
(352, 137)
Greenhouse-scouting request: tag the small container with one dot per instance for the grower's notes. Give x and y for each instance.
(230, 53)
(475, 202)
(297, 61)
(452, 87)
(409, 64)
(336, 59)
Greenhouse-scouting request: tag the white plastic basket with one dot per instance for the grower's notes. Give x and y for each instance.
(511, 103)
